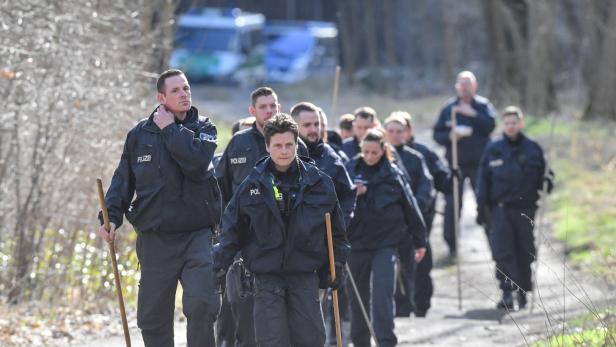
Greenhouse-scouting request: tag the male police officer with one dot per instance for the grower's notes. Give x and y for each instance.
(242, 153)
(512, 172)
(365, 119)
(166, 162)
(306, 115)
(310, 125)
(475, 121)
(277, 219)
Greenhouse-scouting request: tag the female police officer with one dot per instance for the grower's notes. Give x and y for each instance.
(385, 214)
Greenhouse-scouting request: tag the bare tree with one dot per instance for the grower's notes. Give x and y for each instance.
(74, 80)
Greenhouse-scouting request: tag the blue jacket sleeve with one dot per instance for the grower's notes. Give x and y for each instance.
(441, 128)
(122, 187)
(225, 176)
(192, 153)
(345, 189)
(230, 239)
(425, 187)
(483, 180)
(413, 218)
(485, 120)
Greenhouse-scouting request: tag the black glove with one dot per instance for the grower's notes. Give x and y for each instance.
(457, 173)
(340, 276)
(325, 278)
(221, 279)
(548, 180)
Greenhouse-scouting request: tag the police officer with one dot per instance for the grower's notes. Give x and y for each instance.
(166, 163)
(331, 137)
(306, 115)
(511, 174)
(365, 118)
(307, 118)
(412, 163)
(475, 117)
(386, 213)
(277, 219)
(242, 153)
(442, 179)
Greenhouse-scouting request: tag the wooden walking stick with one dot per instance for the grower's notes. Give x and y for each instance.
(114, 263)
(456, 202)
(332, 271)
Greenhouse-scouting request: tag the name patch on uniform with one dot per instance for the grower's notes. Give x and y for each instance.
(144, 158)
(255, 192)
(238, 160)
(496, 162)
(208, 137)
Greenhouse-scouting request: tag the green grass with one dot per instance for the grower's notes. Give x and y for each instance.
(583, 205)
(590, 331)
(224, 133)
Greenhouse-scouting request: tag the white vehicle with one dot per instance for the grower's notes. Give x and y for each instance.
(224, 45)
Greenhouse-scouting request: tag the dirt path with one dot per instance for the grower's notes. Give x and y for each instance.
(479, 323)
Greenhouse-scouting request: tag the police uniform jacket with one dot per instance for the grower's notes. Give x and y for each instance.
(387, 213)
(420, 179)
(350, 147)
(170, 174)
(441, 176)
(328, 161)
(470, 147)
(511, 173)
(242, 153)
(253, 224)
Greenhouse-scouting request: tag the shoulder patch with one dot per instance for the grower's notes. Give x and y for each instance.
(208, 137)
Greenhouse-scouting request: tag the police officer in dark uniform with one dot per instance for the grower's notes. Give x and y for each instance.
(277, 219)
(386, 213)
(475, 117)
(442, 178)
(327, 160)
(364, 119)
(166, 163)
(244, 150)
(306, 115)
(412, 164)
(512, 173)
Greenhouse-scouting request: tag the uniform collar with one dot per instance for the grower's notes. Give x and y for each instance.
(191, 121)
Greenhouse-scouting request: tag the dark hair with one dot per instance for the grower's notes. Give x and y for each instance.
(235, 127)
(279, 124)
(242, 122)
(365, 112)
(378, 136)
(513, 111)
(303, 106)
(160, 83)
(259, 92)
(346, 121)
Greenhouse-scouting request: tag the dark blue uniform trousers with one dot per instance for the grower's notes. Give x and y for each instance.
(287, 310)
(449, 231)
(513, 245)
(166, 259)
(373, 269)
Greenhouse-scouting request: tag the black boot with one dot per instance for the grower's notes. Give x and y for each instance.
(521, 300)
(507, 301)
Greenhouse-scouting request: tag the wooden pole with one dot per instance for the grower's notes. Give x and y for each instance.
(332, 271)
(456, 203)
(114, 262)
